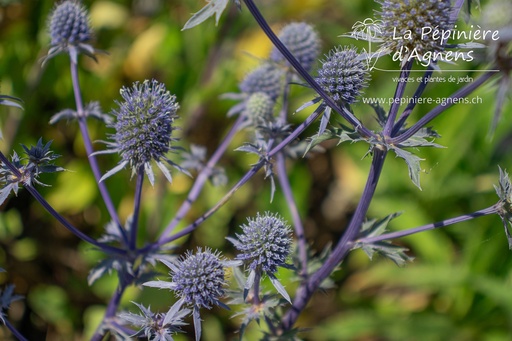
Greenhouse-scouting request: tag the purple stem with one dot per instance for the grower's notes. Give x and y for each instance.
(306, 290)
(13, 330)
(410, 107)
(136, 208)
(55, 214)
(111, 311)
(67, 224)
(461, 93)
(399, 92)
(239, 184)
(292, 206)
(256, 290)
(202, 177)
(487, 211)
(89, 149)
(346, 114)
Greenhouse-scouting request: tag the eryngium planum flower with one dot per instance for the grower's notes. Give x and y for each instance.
(199, 278)
(267, 78)
(144, 126)
(264, 243)
(302, 41)
(405, 24)
(343, 75)
(259, 108)
(69, 30)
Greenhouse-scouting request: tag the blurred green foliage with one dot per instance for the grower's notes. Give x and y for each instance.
(458, 288)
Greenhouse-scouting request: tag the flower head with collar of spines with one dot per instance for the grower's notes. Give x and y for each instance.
(144, 127)
(198, 280)
(70, 30)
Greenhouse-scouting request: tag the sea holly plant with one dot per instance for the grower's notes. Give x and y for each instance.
(268, 271)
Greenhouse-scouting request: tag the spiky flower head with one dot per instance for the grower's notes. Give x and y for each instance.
(199, 278)
(303, 42)
(70, 30)
(144, 127)
(259, 108)
(406, 23)
(69, 24)
(267, 78)
(265, 242)
(343, 75)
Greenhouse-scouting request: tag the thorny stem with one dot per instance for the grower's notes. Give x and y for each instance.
(136, 208)
(399, 92)
(14, 331)
(292, 206)
(346, 114)
(305, 292)
(202, 177)
(239, 184)
(90, 150)
(110, 312)
(487, 211)
(461, 93)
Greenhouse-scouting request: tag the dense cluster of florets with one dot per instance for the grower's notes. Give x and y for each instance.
(144, 127)
(266, 78)
(265, 242)
(343, 75)
(259, 108)
(69, 24)
(199, 279)
(408, 25)
(302, 41)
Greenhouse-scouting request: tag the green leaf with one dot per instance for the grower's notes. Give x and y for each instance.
(393, 252)
(374, 228)
(413, 163)
(214, 7)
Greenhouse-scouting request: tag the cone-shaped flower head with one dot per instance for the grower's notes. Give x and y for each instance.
(406, 25)
(343, 75)
(302, 41)
(264, 243)
(266, 78)
(199, 278)
(69, 24)
(70, 30)
(144, 127)
(259, 108)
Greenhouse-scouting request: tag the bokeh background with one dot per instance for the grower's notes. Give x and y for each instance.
(458, 288)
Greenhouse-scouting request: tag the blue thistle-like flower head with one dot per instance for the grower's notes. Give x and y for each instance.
(70, 30)
(407, 19)
(69, 24)
(199, 278)
(265, 242)
(259, 108)
(343, 75)
(144, 127)
(267, 78)
(302, 41)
